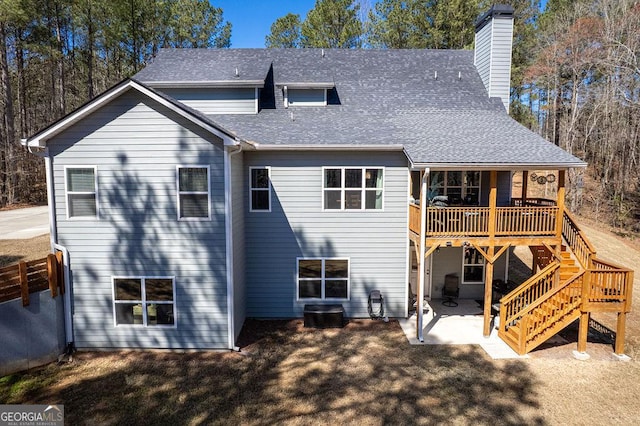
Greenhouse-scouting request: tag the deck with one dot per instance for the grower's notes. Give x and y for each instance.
(572, 282)
(516, 225)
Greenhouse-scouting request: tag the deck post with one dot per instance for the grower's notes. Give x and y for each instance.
(620, 333)
(422, 256)
(525, 186)
(487, 293)
(583, 330)
(488, 279)
(560, 203)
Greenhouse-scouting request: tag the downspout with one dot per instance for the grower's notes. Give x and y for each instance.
(53, 228)
(53, 237)
(228, 222)
(68, 314)
(422, 260)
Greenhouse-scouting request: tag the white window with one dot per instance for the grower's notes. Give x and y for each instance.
(472, 266)
(144, 301)
(461, 188)
(194, 192)
(352, 188)
(260, 189)
(306, 97)
(323, 278)
(82, 190)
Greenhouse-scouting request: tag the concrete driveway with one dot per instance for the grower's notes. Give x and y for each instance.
(24, 223)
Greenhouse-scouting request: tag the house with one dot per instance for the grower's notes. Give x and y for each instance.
(217, 185)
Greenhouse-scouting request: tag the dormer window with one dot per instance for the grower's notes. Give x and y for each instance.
(307, 97)
(305, 94)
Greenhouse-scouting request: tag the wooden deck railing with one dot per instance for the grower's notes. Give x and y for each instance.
(19, 280)
(534, 202)
(523, 221)
(474, 221)
(457, 221)
(580, 245)
(609, 286)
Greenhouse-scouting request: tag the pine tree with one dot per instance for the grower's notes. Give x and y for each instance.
(332, 24)
(285, 32)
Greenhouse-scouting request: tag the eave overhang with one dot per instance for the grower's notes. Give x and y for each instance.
(499, 166)
(307, 85)
(326, 147)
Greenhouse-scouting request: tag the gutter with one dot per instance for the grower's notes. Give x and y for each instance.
(228, 223)
(68, 314)
(233, 84)
(307, 85)
(327, 147)
(499, 166)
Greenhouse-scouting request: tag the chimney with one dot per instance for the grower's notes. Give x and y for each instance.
(492, 58)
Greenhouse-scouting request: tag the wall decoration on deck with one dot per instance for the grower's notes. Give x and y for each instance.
(550, 178)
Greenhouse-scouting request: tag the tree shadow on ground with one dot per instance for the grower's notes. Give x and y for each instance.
(285, 373)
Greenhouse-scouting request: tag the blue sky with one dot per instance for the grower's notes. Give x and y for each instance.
(252, 19)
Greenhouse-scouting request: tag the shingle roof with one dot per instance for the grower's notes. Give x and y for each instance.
(430, 101)
(201, 65)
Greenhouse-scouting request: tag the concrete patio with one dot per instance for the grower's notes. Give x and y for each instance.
(459, 325)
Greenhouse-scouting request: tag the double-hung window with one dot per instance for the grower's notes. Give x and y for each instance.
(323, 278)
(349, 188)
(260, 189)
(194, 192)
(144, 301)
(472, 266)
(82, 189)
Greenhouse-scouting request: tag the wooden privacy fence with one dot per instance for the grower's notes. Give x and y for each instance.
(19, 280)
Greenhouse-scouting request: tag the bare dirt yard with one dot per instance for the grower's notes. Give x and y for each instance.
(365, 373)
(13, 251)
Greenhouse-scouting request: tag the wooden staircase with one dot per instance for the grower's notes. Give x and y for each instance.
(563, 290)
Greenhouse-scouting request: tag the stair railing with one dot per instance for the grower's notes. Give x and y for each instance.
(513, 304)
(580, 245)
(567, 299)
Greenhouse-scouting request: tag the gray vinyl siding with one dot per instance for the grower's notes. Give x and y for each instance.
(448, 260)
(504, 189)
(482, 52)
(493, 57)
(136, 145)
(375, 242)
(237, 221)
(217, 100)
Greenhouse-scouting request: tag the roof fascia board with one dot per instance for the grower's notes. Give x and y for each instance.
(307, 85)
(328, 147)
(39, 140)
(231, 84)
(499, 166)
